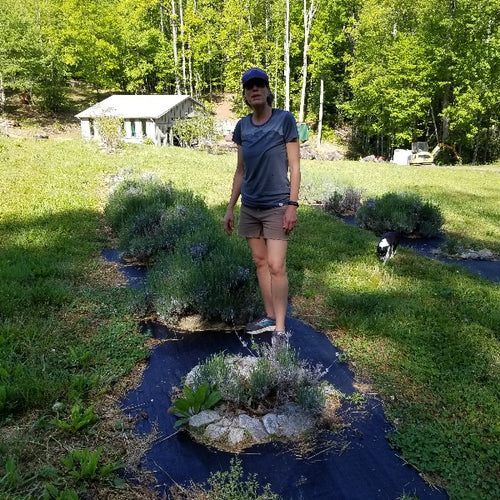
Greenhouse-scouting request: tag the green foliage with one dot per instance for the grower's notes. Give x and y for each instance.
(276, 376)
(51, 491)
(193, 402)
(194, 263)
(232, 485)
(133, 197)
(158, 229)
(207, 274)
(86, 466)
(78, 419)
(110, 131)
(11, 477)
(405, 213)
(197, 131)
(343, 201)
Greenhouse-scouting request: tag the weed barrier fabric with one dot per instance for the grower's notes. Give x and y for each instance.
(357, 463)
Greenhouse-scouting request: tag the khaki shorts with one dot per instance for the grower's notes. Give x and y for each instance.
(265, 222)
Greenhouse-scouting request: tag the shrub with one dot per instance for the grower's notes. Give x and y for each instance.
(343, 201)
(159, 228)
(133, 197)
(276, 376)
(197, 131)
(405, 213)
(110, 130)
(207, 274)
(196, 268)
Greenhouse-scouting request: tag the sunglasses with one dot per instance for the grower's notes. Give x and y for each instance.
(254, 82)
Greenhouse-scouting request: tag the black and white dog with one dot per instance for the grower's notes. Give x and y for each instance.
(387, 245)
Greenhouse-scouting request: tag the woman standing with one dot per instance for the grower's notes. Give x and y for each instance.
(268, 179)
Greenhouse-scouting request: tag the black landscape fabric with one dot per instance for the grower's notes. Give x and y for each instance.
(357, 463)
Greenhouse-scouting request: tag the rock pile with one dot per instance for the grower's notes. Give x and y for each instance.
(243, 430)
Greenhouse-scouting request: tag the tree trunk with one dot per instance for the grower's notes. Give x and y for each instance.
(287, 56)
(445, 122)
(174, 47)
(183, 48)
(308, 17)
(2, 95)
(320, 114)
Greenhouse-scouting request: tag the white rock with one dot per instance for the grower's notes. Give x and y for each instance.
(470, 254)
(270, 422)
(236, 435)
(214, 432)
(253, 426)
(485, 254)
(204, 418)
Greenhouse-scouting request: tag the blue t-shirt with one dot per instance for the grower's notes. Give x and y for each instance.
(265, 178)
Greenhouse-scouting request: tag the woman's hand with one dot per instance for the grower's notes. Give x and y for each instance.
(290, 218)
(229, 221)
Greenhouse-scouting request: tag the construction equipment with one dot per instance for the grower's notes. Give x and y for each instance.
(420, 154)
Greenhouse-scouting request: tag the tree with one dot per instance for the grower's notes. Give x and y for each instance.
(309, 13)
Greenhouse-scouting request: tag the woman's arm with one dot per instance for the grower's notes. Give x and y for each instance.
(293, 154)
(235, 194)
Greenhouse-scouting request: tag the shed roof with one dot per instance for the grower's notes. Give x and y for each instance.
(135, 106)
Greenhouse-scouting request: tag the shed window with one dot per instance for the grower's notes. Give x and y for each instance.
(132, 128)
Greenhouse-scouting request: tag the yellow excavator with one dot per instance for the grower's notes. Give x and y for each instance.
(420, 154)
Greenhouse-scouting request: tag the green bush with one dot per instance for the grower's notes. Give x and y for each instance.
(196, 268)
(198, 131)
(132, 197)
(343, 201)
(159, 228)
(276, 377)
(405, 213)
(207, 274)
(110, 130)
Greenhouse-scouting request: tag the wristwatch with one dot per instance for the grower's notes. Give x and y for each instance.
(294, 203)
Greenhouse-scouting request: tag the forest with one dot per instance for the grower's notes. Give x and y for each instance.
(385, 72)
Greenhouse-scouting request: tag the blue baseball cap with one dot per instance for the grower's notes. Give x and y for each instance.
(253, 73)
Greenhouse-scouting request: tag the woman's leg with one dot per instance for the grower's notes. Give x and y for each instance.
(259, 253)
(270, 261)
(276, 261)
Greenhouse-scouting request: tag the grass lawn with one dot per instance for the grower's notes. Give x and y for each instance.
(424, 334)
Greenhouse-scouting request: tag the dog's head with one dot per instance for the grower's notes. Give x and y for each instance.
(383, 249)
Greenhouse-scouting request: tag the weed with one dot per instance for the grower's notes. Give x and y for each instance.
(356, 398)
(51, 491)
(11, 478)
(78, 419)
(342, 357)
(85, 466)
(226, 485)
(232, 485)
(193, 402)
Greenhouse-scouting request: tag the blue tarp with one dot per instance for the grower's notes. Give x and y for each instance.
(356, 464)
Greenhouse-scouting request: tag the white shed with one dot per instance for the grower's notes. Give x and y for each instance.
(144, 116)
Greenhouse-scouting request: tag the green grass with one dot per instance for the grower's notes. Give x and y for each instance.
(424, 333)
